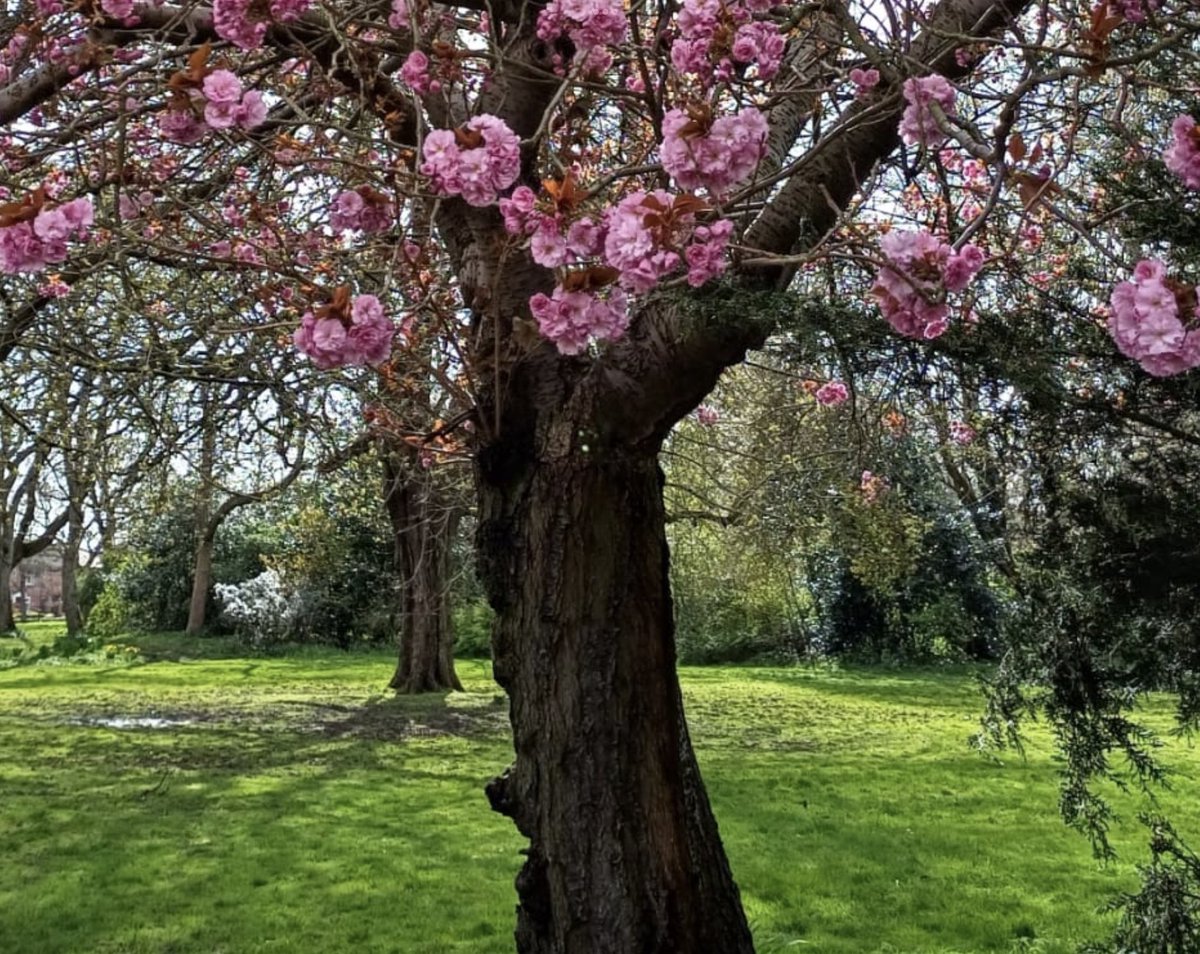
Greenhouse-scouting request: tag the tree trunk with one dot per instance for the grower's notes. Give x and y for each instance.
(624, 854)
(201, 581)
(423, 524)
(70, 566)
(7, 623)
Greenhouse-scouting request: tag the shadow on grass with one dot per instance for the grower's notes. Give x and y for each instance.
(223, 839)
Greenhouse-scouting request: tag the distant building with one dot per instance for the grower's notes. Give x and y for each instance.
(37, 584)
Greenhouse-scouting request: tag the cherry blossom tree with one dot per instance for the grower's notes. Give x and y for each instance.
(594, 204)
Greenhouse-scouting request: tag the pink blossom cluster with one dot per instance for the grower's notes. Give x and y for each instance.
(179, 124)
(706, 253)
(415, 74)
(911, 288)
(707, 416)
(962, 433)
(121, 9)
(639, 242)
(864, 81)
(591, 25)
(131, 206)
(918, 124)
(1154, 320)
(832, 393)
(362, 209)
(32, 244)
(222, 104)
(645, 233)
(1183, 155)
(571, 318)
(717, 158)
(1133, 10)
(241, 21)
(227, 105)
(401, 16)
(477, 161)
(333, 339)
(552, 241)
(642, 237)
(718, 39)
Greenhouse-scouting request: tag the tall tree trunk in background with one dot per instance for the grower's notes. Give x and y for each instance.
(423, 520)
(201, 582)
(206, 532)
(72, 611)
(624, 852)
(7, 623)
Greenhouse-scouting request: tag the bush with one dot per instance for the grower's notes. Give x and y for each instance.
(110, 614)
(259, 610)
(472, 629)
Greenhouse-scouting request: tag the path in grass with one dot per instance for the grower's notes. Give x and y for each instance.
(290, 805)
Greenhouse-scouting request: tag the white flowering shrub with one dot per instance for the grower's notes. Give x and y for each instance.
(260, 610)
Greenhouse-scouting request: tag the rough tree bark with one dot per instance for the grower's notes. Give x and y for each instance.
(423, 521)
(624, 853)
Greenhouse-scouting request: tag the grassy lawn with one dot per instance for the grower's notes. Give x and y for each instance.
(290, 805)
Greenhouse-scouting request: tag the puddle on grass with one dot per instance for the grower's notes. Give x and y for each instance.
(131, 722)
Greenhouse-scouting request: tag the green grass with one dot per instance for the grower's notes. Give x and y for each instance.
(297, 807)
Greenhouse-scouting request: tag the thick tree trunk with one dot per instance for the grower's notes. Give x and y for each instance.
(624, 854)
(423, 524)
(201, 581)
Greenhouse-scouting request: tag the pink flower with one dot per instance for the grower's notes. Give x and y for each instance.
(31, 246)
(222, 86)
(252, 111)
(1183, 155)
(717, 160)
(244, 22)
(706, 254)
(572, 319)
(1146, 323)
(336, 340)
(707, 416)
(415, 72)
(179, 125)
(548, 247)
(232, 22)
(591, 25)
(911, 288)
(832, 393)
(918, 124)
(399, 19)
(864, 81)
(517, 210)
(456, 165)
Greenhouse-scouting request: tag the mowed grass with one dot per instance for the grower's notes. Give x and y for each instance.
(290, 804)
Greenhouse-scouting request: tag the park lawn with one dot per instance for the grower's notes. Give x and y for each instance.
(290, 804)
